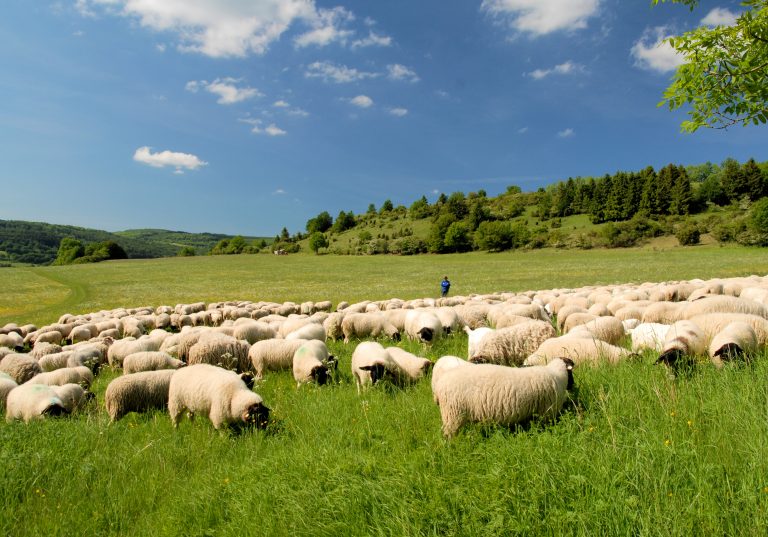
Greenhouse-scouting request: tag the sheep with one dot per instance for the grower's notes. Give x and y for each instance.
(367, 325)
(724, 304)
(684, 338)
(80, 333)
(253, 331)
(371, 363)
(576, 319)
(273, 354)
(6, 385)
(292, 323)
(311, 362)
(20, 367)
(29, 402)
(449, 319)
(220, 394)
(332, 325)
(52, 362)
(581, 350)
(91, 355)
(53, 336)
(5, 351)
(308, 331)
(511, 345)
(443, 364)
(413, 367)
(608, 328)
(663, 312)
(649, 336)
(736, 339)
(502, 395)
(41, 349)
(474, 338)
(122, 348)
(423, 326)
(473, 315)
(220, 349)
(138, 392)
(149, 361)
(66, 375)
(12, 340)
(713, 323)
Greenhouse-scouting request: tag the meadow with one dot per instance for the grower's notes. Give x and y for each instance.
(635, 452)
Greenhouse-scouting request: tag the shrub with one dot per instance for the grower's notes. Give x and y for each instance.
(688, 234)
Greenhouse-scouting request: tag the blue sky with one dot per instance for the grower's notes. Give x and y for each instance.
(244, 116)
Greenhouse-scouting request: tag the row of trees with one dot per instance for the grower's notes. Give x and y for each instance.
(73, 251)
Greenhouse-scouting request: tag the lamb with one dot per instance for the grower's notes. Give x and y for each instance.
(6, 385)
(684, 338)
(66, 375)
(502, 395)
(150, 361)
(511, 345)
(311, 362)
(423, 326)
(138, 392)
(474, 338)
(649, 336)
(443, 364)
(734, 340)
(33, 401)
(581, 350)
(371, 363)
(367, 325)
(220, 394)
(20, 367)
(273, 354)
(413, 367)
(220, 349)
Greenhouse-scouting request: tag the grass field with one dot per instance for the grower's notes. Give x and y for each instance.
(634, 453)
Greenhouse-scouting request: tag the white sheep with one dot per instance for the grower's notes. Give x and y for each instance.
(736, 339)
(311, 362)
(413, 367)
(423, 326)
(150, 361)
(371, 363)
(367, 325)
(443, 364)
(66, 375)
(308, 331)
(220, 349)
(12, 340)
(606, 328)
(713, 323)
(138, 392)
(649, 336)
(684, 338)
(502, 395)
(512, 345)
(474, 338)
(253, 331)
(6, 385)
(217, 393)
(37, 401)
(580, 350)
(43, 349)
(273, 354)
(724, 304)
(123, 347)
(20, 367)
(332, 325)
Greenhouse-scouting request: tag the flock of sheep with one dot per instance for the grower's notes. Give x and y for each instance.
(203, 359)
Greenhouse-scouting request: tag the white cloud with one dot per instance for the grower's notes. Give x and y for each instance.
(719, 17)
(541, 17)
(225, 88)
(256, 127)
(401, 72)
(160, 47)
(273, 130)
(78, 33)
(292, 111)
(281, 104)
(566, 133)
(213, 27)
(563, 69)
(399, 112)
(340, 74)
(373, 40)
(653, 53)
(327, 28)
(279, 192)
(362, 101)
(168, 158)
(522, 130)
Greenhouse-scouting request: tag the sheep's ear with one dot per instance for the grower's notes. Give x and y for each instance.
(669, 358)
(366, 368)
(729, 351)
(569, 364)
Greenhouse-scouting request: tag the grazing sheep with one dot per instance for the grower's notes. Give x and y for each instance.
(449, 319)
(149, 361)
(80, 333)
(138, 392)
(714, 323)
(511, 345)
(220, 349)
(724, 304)
(20, 367)
(413, 367)
(73, 396)
(473, 315)
(684, 338)
(253, 331)
(367, 325)
(502, 395)
(736, 339)
(52, 362)
(311, 362)
(371, 363)
(273, 354)
(649, 336)
(581, 350)
(332, 325)
(42, 349)
(53, 336)
(308, 331)
(6, 385)
(123, 347)
(474, 338)
(443, 364)
(607, 328)
(220, 394)
(5, 351)
(423, 326)
(66, 375)
(663, 312)
(12, 340)
(34, 401)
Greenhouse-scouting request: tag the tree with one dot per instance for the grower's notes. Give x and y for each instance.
(69, 250)
(457, 238)
(322, 223)
(344, 222)
(723, 79)
(386, 207)
(420, 208)
(316, 241)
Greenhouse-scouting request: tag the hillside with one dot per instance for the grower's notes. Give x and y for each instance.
(37, 243)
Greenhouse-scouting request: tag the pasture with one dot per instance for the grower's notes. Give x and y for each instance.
(633, 453)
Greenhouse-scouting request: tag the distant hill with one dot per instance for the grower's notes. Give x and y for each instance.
(38, 242)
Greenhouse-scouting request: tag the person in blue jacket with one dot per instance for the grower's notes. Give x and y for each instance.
(445, 285)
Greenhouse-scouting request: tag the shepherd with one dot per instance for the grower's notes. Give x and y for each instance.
(445, 285)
